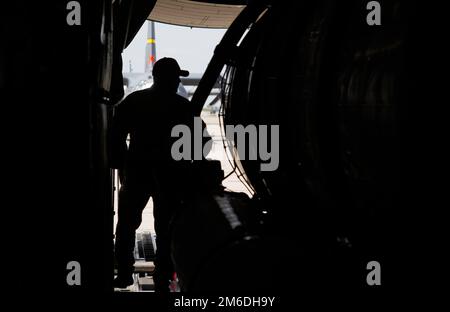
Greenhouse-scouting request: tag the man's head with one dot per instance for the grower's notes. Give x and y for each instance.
(167, 72)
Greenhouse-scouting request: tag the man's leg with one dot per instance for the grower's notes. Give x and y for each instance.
(163, 211)
(133, 198)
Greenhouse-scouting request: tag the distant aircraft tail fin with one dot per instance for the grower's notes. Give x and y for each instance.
(150, 49)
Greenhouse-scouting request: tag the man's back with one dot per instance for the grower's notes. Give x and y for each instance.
(149, 117)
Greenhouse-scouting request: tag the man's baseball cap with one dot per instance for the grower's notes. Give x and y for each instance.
(168, 67)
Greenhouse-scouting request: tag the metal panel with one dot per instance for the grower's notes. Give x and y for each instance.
(195, 14)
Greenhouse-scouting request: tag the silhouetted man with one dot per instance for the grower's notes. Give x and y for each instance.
(148, 168)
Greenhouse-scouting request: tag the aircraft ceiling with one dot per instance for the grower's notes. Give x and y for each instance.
(208, 14)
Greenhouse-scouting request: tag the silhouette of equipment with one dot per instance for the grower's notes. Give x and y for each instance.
(336, 87)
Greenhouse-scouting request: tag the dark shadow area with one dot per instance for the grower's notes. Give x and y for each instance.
(358, 108)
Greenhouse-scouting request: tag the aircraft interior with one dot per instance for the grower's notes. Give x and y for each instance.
(345, 94)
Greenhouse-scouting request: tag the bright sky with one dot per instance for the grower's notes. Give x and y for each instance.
(191, 47)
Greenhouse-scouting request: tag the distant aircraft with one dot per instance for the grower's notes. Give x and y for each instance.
(137, 81)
